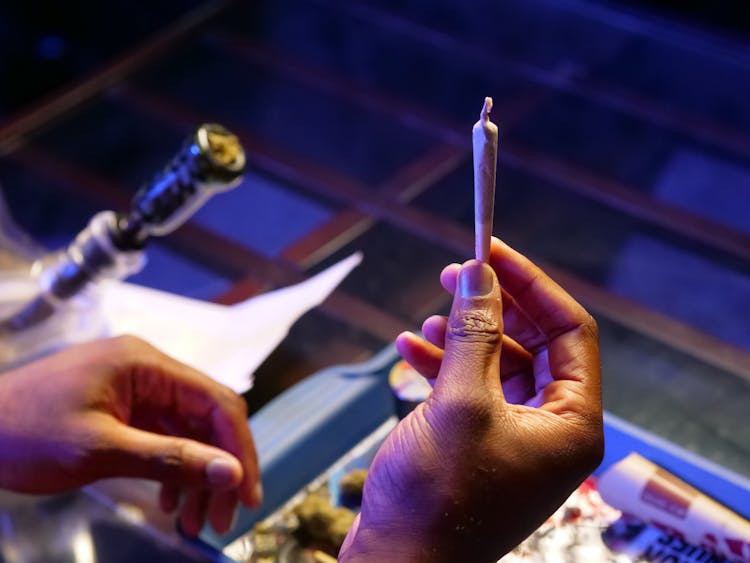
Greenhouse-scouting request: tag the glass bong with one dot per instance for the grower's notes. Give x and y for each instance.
(48, 300)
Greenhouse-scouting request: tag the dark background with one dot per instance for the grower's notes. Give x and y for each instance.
(44, 44)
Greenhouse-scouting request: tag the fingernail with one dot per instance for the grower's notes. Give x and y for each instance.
(220, 472)
(258, 494)
(475, 279)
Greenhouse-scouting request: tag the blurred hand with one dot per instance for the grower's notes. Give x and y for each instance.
(121, 408)
(513, 425)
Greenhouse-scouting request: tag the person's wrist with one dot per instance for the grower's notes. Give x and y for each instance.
(455, 534)
(405, 541)
(377, 544)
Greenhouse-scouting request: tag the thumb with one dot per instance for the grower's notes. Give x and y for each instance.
(178, 461)
(474, 333)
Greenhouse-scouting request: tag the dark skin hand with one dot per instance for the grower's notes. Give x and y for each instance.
(513, 425)
(121, 408)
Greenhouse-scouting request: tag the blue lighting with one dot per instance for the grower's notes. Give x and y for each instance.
(50, 47)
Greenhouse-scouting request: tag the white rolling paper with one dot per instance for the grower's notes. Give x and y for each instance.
(226, 342)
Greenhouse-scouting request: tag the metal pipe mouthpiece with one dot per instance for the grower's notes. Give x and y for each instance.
(212, 160)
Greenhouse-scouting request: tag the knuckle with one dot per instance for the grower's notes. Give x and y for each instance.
(530, 287)
(84, 454)
(171, 461)
(132, 355)
(130, 345)
(240, 405)
(230, 401)
(589, 327)
(475, 325)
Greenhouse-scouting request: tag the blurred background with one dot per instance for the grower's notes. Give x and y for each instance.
(624, 167)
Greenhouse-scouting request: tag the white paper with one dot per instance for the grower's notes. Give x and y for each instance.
(226, 342)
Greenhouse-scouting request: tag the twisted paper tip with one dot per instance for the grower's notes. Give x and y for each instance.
(486, 109)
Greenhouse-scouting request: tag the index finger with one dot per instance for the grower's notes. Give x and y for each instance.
(570, 331)
(192, 397)
(546, 304)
